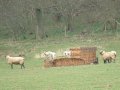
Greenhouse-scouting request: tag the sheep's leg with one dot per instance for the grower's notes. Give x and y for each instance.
(104, 61)
(22, 65)
(109, 61)
(11, 66)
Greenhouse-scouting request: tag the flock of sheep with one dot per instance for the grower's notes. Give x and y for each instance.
(108, 57)
(20, 60)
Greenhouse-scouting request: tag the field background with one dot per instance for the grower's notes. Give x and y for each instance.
(35, 76)
(30, 27)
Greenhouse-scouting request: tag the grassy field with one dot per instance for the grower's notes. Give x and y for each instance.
(35, 77)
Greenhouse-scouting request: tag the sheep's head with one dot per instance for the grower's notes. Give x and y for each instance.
(102, 52)
(46, 54)
(7, 56)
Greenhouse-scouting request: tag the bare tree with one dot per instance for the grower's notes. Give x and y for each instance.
(24, 17)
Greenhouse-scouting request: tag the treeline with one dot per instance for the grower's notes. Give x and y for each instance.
(23, 17)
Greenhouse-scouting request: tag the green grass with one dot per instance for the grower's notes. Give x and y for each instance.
(85, 77)
(35, 77)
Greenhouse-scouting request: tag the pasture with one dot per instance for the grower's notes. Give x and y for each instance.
(36, 77)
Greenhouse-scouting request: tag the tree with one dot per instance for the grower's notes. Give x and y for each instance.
(16, 17)
(40, 34)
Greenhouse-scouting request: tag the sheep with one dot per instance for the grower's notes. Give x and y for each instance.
(67, 54)
(108, 56)
(15, 60)
(49, 55)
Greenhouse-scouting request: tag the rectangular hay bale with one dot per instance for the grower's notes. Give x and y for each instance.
(86, 53)
(79, 56)
(64, 62)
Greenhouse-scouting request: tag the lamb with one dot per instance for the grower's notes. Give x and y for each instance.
(67, 54)
(15, 60)
(49, 55)
(108, 56)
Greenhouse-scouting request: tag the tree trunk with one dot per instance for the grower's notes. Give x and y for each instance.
(40, 33)
(110, 25)
(69, 23)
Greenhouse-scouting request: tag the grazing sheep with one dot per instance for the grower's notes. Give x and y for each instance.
(67, 54)
(15, 60)
(108, 56)
(49, 55)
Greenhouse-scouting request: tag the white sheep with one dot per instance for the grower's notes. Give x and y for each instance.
(15, 60)
(108, 56)
(49, 55)
(67, 54)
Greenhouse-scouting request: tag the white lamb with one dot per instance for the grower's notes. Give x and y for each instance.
(67, 54)
(49, 55)
(15, 60)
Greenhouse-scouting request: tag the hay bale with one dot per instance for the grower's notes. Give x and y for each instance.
(64, 62)
(79, 56)
(86, 53)
(48, 64)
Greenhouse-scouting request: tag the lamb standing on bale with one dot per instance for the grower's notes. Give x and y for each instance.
(49, 55)
(108, 56)
(15, 60)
